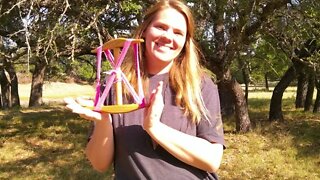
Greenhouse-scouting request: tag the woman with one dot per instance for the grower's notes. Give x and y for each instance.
(179, 135)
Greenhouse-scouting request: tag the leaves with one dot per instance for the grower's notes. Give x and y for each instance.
(71, 28)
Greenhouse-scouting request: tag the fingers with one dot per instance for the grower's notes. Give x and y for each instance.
(85, 102)
(71, 104)
(157, 92)
(68, 100)
(154, 110)
(76, 107)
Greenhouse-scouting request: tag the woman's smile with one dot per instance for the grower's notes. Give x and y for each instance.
(163, 47)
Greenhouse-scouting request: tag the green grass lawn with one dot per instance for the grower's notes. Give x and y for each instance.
(56, 91)
(48, 143)
(273, 150)
(44, 143)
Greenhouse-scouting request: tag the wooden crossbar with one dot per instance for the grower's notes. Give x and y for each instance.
(117, 43)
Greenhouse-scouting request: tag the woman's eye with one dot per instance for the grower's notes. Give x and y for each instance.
(160, 27)
(179, 33)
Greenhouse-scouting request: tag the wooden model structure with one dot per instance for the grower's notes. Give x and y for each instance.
(120, 48)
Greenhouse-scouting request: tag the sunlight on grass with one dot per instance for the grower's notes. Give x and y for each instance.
(290, 92)
(48, 142)
(44, 143)
(277, 150)
(58, 91)
(268, 94)
(268, 154)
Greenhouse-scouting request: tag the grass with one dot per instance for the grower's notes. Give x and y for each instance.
(277, 150)
(48, 142)
(44, 143)
(56, 91)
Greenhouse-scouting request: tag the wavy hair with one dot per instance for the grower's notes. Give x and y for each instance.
(186, 72)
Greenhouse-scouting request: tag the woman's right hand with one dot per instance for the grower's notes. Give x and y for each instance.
(100, 148)
(78, 106)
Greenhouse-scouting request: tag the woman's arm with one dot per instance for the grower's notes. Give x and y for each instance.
(192, 150)
(100, 148)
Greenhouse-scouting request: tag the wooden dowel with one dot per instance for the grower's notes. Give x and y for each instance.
(118, 79)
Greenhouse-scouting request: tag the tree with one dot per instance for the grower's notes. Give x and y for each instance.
(275, 112)
(302, 88)
(316, 108)
(259, 34)
(299, 65)
(294, 30)
(229, 27)
(5, 89)
(9, 53)
(63, 29)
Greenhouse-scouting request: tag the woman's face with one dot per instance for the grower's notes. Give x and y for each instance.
(164, 39)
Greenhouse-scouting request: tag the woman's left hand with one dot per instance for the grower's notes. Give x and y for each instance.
(78, 106)
(154, 109)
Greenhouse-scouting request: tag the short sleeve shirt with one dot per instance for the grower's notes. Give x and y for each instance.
(135, 155)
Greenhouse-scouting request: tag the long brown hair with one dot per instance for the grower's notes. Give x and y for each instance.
(186, 72)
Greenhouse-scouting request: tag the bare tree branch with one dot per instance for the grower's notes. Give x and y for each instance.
(27, 34)
(96, 17)
(15, 5)
(67, 6)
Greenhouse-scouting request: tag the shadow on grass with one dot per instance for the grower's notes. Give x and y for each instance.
(307, 137)
(30, 120)
(304, 127)
(44, 143)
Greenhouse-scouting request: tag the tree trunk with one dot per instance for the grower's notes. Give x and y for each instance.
(0, 87)
(226, 100)
(266, 81)
(301, 89)
(275, 112)
(37, 84)
(309, 96)
(316, 107)
(243, 123)
(246, 91)
(237, 97)
(246, 79)
(245, 74)
(15, 100)
(5, 89)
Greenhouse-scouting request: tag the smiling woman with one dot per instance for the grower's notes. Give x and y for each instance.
(164, 39)
(179, 135)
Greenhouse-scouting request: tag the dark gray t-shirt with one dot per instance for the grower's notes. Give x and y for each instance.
(135, 155)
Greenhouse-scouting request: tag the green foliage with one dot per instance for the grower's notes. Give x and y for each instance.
(131, 7)
(269, 60)
(84, 71)
(57, 29)
(87, 71)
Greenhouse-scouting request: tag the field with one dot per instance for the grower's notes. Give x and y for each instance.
(48, 142)
(55, 91)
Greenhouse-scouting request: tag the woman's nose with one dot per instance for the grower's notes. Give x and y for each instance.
(168, 34)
